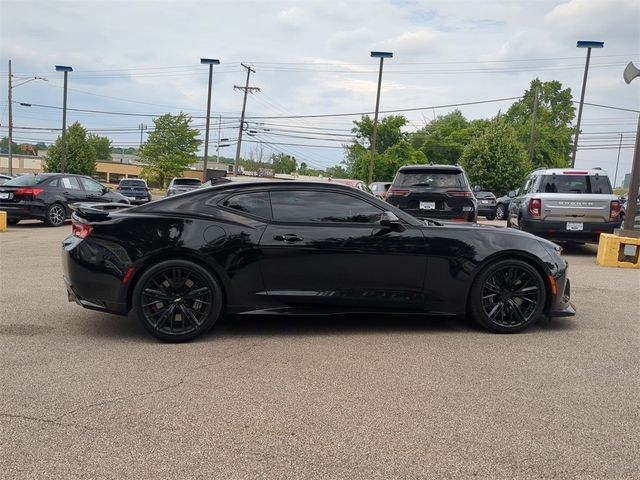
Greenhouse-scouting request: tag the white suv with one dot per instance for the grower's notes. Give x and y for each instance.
(566, 204)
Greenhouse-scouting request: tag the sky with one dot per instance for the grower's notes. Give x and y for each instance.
(140, 59)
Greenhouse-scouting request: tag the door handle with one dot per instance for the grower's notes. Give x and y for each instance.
(287, 237)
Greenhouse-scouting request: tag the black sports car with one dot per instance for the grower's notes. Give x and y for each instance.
(304, 248)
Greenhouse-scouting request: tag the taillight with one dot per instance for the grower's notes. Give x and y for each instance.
(81, 230)
(398, 192)
(453, 193)
(25, 192)
(535, 207)
(614, 210)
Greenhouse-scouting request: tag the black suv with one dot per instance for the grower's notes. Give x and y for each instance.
(434, 191)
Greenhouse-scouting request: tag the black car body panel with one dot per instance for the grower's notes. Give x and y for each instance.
(433, 191)
(264, 264)
(29, 196)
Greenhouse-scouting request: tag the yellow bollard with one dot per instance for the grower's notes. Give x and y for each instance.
(615, 251)
(3, 221)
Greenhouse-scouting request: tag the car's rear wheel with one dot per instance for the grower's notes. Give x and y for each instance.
(55, 215)
(501, 212)
(490, 217)
(508, 296)
(177, 300)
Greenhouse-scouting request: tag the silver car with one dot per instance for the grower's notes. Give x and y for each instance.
(183, 184)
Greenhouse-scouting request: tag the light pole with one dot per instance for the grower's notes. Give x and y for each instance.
(588, 45)
(630, 73)
(381, 56)
(211, 62)
(11, 87)
(66, 70)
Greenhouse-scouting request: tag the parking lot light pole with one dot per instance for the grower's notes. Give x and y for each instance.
(588, 45)
(630, 73)
(211, 62)
(381, 56)
(66, 70)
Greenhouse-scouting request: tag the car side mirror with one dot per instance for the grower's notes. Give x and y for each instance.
(105, 190)
(391, 221)
(511, 194)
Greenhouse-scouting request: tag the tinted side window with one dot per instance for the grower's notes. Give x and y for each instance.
(90, 185)
(70, 183)
(318, 207)
(256, 203)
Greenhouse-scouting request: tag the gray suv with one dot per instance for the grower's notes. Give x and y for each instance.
(566, 204)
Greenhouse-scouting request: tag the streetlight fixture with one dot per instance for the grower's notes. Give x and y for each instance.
(11, 87)
(630, 73)
(381, 56)
(588, 45)
(66, 70)
(211, 62)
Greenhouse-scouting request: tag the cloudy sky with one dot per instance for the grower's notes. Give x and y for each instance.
(140, 59)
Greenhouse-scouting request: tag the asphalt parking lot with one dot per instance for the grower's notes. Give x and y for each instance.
(91, 395)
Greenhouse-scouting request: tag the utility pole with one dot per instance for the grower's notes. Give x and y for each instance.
(534, 117)
(381, 56)
(246, 89)
(142, 127)
(66, 69)
(615, 177)
(10, 125)
(219, 133)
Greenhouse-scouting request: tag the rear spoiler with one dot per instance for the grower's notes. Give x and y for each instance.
(96, 211)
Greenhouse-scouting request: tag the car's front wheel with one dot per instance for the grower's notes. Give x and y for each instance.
(501, 212)
(508, 296)
(177, 300)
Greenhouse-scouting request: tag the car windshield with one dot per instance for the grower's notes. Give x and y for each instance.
(26, 180)
(189, 182)
(132, 183)
(575, 184)
(430, 178)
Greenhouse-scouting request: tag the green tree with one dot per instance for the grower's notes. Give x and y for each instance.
(496, 159)
(553, 132)
(336, 171)
(80, 155)
(282, 163)
(102, 146)
(444, 139)
(170, 148)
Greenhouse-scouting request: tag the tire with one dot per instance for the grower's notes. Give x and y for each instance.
(508, 296)
(177, 300)
(501, 212)
(56, 215)
(13, 221)
(490, 217)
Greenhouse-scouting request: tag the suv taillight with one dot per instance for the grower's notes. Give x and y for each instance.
(535, 207)
(81, 230)
(614, 210)
(25, 192)
(398, 192)
(455, 193)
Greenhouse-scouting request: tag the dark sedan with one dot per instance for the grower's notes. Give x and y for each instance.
(48, 196)
(303, 248)
(486, 204)
(502, 204)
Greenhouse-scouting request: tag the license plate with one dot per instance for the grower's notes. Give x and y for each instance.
(5, 195)
(131, 198)
(575, 226)
(427, 205)
(485, 201)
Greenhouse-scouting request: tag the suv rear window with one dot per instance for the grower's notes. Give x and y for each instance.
(132, 183)
(574, 184)
(187, 181)
(430, 178)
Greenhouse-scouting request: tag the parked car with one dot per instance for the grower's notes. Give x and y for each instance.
(623, 207)
(135, 189)
(4, 178)
(566, 204)
(434, 191)
(486, 204)
(380, 189)
(47, 196)
(183, 184)
(360, 185)
(303, 248)
(502, 204)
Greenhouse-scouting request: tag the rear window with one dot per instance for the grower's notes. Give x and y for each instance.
(27, 180)
(484, 195)
(431, 178)
(132, 183)
(193, 182)
(575, 184)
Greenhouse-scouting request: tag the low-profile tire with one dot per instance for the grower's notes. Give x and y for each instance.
(55, 215)
(13, 221)
(501, 212)
(490, 217)
(508, 296)
(177, 300)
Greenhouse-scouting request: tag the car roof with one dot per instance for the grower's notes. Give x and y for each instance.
(280, 183)
(431, 167)
(574, 171)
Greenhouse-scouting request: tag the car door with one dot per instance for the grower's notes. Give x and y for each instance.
(94, 192)
(518, 201)
(327, 248)
(70, 189)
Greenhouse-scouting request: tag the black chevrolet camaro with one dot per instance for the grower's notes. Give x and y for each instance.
(303, 248)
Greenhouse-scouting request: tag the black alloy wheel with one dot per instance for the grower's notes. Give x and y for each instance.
(177, 300)
(501, 212)
(490, 217)
(508, 296)
(56, 215)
